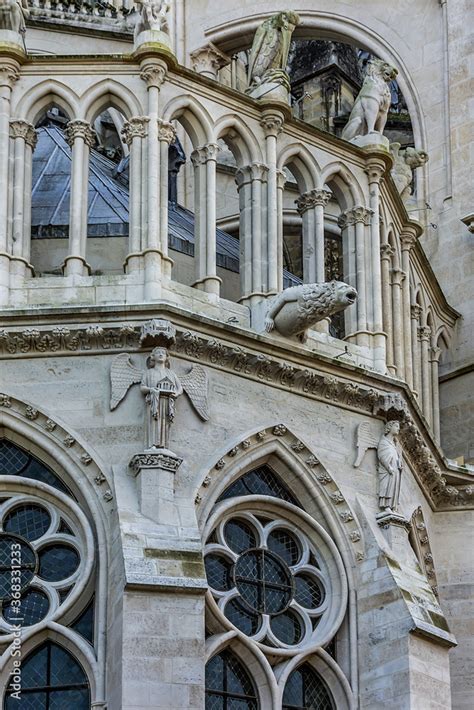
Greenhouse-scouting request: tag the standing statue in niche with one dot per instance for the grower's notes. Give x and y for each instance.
(269, 53)
(390, 467)
(161, 387)
(370, 111)
(405, 162)
(298, 308)
(153, 16)
(13, 14)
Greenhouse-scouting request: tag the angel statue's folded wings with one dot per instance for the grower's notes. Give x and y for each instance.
(124, 374)
(365, 440)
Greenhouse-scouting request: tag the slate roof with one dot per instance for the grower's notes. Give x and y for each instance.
(107, 203)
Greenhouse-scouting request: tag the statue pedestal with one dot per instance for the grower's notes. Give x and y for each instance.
(270, 91)
(155, 470)
(149, 38)
(372, 141)
(395, 528)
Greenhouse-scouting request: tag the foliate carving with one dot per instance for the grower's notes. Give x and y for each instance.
(279, 430)
(80, 129)
(310, 199)
(208, 60)
(136, 127)
(100, 479)
(155, 459)
(261, 435)
(298, 446)
(25, 130)
(398, 276)
(312, 461)
(346, 516)
(424, 332)
(108, 495)
(154, 74)
(416, 311)
(62, 339)
(359, 214)
(219, 465)
(8, 74)
(166, 131)
(272, 124)
(435, 354)
(246, 443)
(355, 536)
(337, 497)
(31, 413)
(69, 441)
(233, 452)
(5, 401)
(324, 478)
(407, 241)
(86, 459)
(50, 425)
(201, 155)
(386, 251)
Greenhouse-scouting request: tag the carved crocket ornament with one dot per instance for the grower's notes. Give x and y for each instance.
(296, 309)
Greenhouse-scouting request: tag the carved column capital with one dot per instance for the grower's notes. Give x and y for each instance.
(272, 123)
(397, 277)
(154, 73)
(310, 199)
(208, 60)
(135, 127)
(435, 354)
(343, 221)
(202, 155)
(9, 73)
(80, 129)
(386, 252)
(166, 131)
(359, 214)
(416, 311)
(281, 178)
(424, 332)
(375, 169)
(407, 240)
(22, 129)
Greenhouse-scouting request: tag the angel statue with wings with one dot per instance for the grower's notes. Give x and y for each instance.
(161, 386)
(389, 460)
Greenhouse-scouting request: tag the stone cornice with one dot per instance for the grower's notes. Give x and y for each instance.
(260, 358)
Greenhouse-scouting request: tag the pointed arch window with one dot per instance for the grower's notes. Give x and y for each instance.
(50, 678)
(306, 690)
(261, 481)
(15, 461)
(228, 685)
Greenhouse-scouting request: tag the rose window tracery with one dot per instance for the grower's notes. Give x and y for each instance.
(265, 578)
(41, 560)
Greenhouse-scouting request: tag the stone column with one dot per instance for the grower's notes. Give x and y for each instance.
(375, 170)
(415, 312)
(81, 138)
(272, 123)
(204, 162)
(134, 133)
(24, 138)
(347, 227)
(208, 60)
(153, 73)
(398, 277)
(360, 217)
(311, 206)
(386, 252)
(281, 181)
(166, 135)
(434, 355)
(8, 75)
(424, 333)
(408, 241)
(251, 180)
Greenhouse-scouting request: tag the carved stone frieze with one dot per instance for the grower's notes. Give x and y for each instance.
(152, 459)
(62, 339)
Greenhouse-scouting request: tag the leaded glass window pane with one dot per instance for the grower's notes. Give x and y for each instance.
(51, 679)
(261, 481)
(57, 562)
(306, 690)
(15, 461)
(84, 624)
(228, 685)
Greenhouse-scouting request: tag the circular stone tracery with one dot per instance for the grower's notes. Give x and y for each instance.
(270, 581)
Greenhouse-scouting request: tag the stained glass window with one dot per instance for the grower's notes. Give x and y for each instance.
(228, 685)
(261, 481)
(306, 690)
(15, 461)
(51, 679)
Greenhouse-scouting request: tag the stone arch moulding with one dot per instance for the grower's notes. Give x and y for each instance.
(41, 96)
(312, 484)
(246, 143)
(252, 658)
(194, 118)
(351, 192)
(228, 36)
(52, 443)
(106, 93)
(302, 163)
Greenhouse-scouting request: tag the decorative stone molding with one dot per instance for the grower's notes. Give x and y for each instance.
(157, 331)
(424, 332)
(407, 241)
(468, 220)
(247, 173)
(208, 60)
(166, 131)
(272, 123)
(80, 129)
(421, 545)
(63, 339)
(416, 311)
(359, 214)
(434, 354)
(375, 169)
(281, 433)
(386, 252)
(398, 276)
(154, 74)
(201, 155)
(23, 129)
(9, 73)
(136, 127)
(75, 451)
(310, 199)
(164, 460)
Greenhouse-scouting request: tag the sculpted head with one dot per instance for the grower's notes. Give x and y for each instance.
(377, 67)
(159, 356)
(344, 294)
(415, 158)
(392, 427)
(286, 19)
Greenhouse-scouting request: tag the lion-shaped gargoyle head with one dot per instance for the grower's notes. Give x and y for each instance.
(378, 67)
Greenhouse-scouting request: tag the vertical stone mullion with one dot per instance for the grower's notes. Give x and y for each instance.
(398, 335)
(166, 135)
(386, 252)
(134, 133)
(8, 75)
(243, 179)
(311, 206)
(408, 240)
(425, 335)
(271, 123)
(375, 169)
(435, 353)
(415, 312)
(23, 137)
(347, 228)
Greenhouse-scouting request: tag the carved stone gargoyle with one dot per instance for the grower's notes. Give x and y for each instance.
(298, 308)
